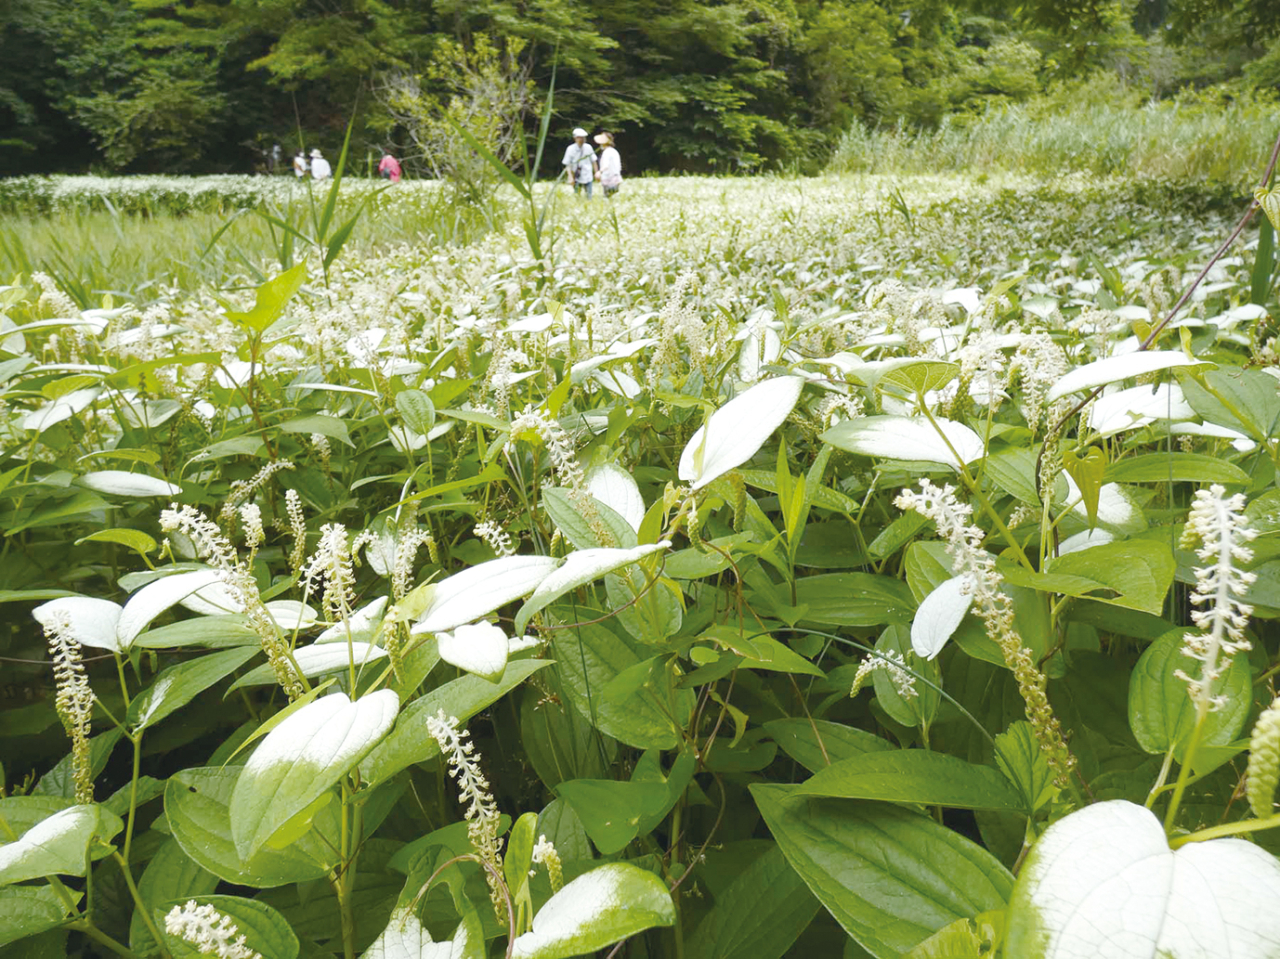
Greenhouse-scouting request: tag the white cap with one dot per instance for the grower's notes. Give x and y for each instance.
(579, 132)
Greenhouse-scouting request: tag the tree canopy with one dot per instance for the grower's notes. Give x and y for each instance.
(697, 85)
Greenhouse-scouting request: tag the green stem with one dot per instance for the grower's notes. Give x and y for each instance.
(100, 937)
(1184, 773)
(1160, 780)
(143, 911)
(1227, 829)
(133, 794)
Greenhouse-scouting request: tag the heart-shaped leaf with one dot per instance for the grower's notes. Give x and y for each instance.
(1104, 882)
(479, 648)
(475, 592)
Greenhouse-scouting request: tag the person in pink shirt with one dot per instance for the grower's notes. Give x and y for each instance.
(389, 168)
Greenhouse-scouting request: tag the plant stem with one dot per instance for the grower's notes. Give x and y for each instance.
(133, 794)
(1227, 829)
(1184, 773)
(101, 938)
(143, 911)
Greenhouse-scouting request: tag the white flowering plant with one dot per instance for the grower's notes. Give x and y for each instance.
(740, 574)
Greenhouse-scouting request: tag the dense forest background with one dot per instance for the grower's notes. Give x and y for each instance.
(205, 86)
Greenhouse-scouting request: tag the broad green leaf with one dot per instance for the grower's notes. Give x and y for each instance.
(613, 486)
(20, 813)
(916, 776)
(597, 909)
(1020, 758)
(418, 411)
(610, 811)
(759, 916)
(477, 591)
(58, 845)
(517, 855)
(265, 931)
(910, 438)
(589, 657)
(977, 938)
(1014, 471)
(301, 758)
(124, 483)
(1141, 572)
(462, 698)
(1087, 470)
(1238, 399)
(179, 684)
(1103, 881)
(1161, 713)
(60, 780)
(760, 652)
(135, 540)
(940, 614)
(29, 910)
(921, 376)
(914, 710)
(195, 805)
(890, 877)
(330, 426)
(854, 599)
(1175, 467)
(735, 432)
(579, 568)
(1116, 368)
(578, 528)
(816, 744)
(270, 299)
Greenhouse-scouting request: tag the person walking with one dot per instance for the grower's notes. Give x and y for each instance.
(389, 168)
(319, 166)
(300, 164)
(580, 162)
(610, 172)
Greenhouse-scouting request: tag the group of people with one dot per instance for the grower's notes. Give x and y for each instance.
(582, 167)
(318, 167)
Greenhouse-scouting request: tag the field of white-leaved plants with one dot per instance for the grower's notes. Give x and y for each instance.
(731, 570)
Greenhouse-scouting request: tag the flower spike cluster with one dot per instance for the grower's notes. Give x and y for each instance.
(891, 661)
(1217, 523)
(993, 606)
(74, 702)
(213, 933)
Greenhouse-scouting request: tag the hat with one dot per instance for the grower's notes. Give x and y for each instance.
(579, 132)
(603, 138)
(315, 153)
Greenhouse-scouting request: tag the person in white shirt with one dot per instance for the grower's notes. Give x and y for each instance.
(580, 162)
(610, 172)
(319, 166)
(300, 164)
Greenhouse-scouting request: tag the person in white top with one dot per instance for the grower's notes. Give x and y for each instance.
(580, 162)
(610, 173)
(319, 166)
(300, 164)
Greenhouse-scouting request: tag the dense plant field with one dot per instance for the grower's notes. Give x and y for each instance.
(853, 566)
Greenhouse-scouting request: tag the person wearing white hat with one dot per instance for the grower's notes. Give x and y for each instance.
(610, 169)
(580, 162)
(319, 166)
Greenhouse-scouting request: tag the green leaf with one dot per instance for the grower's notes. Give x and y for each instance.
(196, 806)
(760, 652)
(597, 909)
(329, 426)
(59, 781)
(58, 845)
(179, 684)
(417, 410)
(922, 376)
(760, 914)
(1087, 469)
(610, 811)
(1161, 713)
(977, 938)
(854, 599)
(1020, 758)
(817, 744)
(1174, 467)
(462, 698)
(135, 540)
(889, 876)
(270, 299)
(580, 567)
(1014, 471)
(28, 911)
(577, 530)
(1141, 572)
(907, 710)
(517, 856)
(301, 758)
(1239, 399)
(265, 931)
(916, 776)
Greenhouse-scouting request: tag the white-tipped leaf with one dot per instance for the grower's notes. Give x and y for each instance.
(615, 487)
(55, 846)
(124, 483)
(735, 432)
(63, 408)
(407, 938)
(581, 567)
(1104, 883)
(940, 614)
(1116, 368)
(154, 598)
(907, 438)
(93, 621)
(1136, 407)
(362, 623)
(316, 660)
(478, 648)
(474, 593)
(301, 758)
(597, 909)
